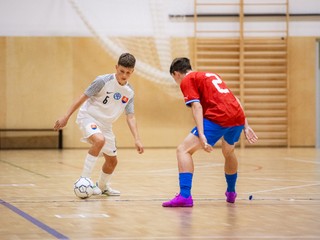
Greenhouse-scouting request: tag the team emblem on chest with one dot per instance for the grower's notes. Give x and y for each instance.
(124, 99)
(117, 96)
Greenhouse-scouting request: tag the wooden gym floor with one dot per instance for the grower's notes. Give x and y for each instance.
(37, 199)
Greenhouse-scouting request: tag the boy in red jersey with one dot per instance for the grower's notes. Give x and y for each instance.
(218, 114)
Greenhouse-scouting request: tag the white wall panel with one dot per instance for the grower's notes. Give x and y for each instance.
(127, 17)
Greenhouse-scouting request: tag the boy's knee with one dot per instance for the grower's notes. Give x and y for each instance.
(99, 141)
(228, 152)
(111, 161)
(180, 149)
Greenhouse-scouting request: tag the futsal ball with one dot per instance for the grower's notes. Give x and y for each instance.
(83, 187)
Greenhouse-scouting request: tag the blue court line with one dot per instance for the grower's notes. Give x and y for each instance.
(34, 221)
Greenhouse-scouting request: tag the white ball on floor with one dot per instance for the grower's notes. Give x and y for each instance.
(83, 187)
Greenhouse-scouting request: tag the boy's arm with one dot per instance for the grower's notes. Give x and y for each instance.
(248, 131)
(132, 123)
(62, 122)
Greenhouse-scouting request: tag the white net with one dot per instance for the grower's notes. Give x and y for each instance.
(153, 53)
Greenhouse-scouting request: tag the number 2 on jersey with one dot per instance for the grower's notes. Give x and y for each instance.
(216, 83)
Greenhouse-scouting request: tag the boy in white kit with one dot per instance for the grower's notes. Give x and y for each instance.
(102, 103)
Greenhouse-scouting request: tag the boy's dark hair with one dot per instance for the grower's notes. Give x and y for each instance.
(181, 65)
(127, 60)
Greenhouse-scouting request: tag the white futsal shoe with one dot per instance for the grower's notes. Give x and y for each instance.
(96, 190)
(109, 191)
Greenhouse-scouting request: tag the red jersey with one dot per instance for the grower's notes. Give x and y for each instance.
(218, 102)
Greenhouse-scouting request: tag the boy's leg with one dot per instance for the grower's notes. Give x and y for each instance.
(191, 144)
(108, 167)
(231, 161)
(231, 164)
(185, 164)
(97, 141)
(109, 151)
(91, 134)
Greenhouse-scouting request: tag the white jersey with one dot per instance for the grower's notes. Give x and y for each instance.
(107, 100)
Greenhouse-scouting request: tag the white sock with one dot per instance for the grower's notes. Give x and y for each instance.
(103, 180)
(89, 163)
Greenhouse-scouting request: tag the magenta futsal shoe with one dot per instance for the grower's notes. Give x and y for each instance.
(179, 201)
(231, 197)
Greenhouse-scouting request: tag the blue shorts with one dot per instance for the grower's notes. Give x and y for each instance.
(214, 132)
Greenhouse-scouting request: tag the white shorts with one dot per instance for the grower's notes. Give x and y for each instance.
(89, 126)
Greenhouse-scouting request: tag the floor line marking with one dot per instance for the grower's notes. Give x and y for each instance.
(36, 222)
(27, 170)
(300, 160)
(77, 216)
(285, 188)
(276, 179)
(17, 185)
